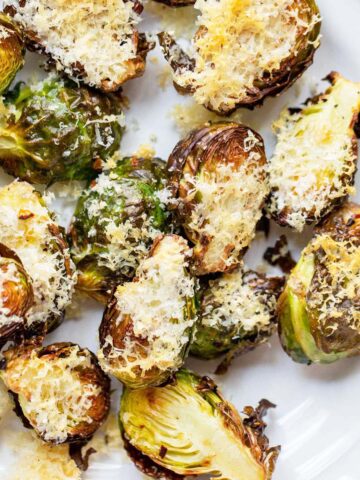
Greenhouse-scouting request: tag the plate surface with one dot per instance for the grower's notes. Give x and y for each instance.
(317, 416)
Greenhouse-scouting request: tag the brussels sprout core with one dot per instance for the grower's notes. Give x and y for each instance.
(116, 220)
(237, 314)
(245, 51)
(12, 51)
(54, 130)
(319, 308)
(147, 326)
(314, 164)
(60, 390)
(16, 294)
(218, 173)
(188, 428)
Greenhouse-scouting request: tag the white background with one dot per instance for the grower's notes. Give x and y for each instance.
(317, 420)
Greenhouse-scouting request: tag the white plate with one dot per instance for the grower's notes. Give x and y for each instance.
(317, 419)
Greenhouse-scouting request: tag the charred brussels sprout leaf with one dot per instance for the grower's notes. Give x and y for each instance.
(187, 427)
(314, 163)
(237, 312)
(144, 346)
(54, 130)
(16, 294)
(245, 51)
(319, 308)
(115, 222)
(218, 173)
(97, 43)
(60, 390)
(12, 51)
(27, 228)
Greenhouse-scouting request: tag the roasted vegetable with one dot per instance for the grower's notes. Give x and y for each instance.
(314, 163)
(59, 390)
(116, 220)
(54, 130)
(12, 51)
(188, 428)
(320, 306)
(237, 314)
(27, 228)
(95, 41)
(244, 51)
(218, 173)
(16, 294)
(148, 325)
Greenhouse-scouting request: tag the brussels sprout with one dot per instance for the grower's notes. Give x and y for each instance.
(319, 308)
(237, 313)
(187, 427)
(54, 130)
(218, 173)
(27, 228)
(16, 294)
(60, 390)
(244, 51)
(115, 222)
(314, 163)
(147, 326)
(12, 51)
(95, 42)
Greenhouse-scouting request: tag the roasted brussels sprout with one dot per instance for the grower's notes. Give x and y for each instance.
(244, 51)
(314, 163)
(218, 173)
(60, 390)
(237, 312)
(12, 51)
(16, 294)
(187, 427)
(148, 325)
(320, 306)
(93, 41)
(54, 130)
(27, 228)
(116, 220)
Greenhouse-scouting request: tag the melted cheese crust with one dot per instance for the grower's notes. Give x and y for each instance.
(237, 42)
(156, 303)
(315, 158)
(95, 34)
(24, 227)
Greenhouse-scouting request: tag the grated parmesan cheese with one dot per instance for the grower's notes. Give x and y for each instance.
(234, 303)
(314, 162)
(239, 40)
(50, 391)
(36, 460)
(156, 304)
(230, 207)
(9, 275)
(96, 36)
(5, 402)
(24, 227)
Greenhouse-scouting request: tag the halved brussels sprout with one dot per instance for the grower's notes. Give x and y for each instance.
(148, 325)
(60, 390)
(320, 307)
(237, 312)
(187, 427)
(12, 51)
(16, 294)
(115, 222)
(54, 130)
(27, 228)
(244, 51)
(96, 42)
(218, 173)
(314, 163)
